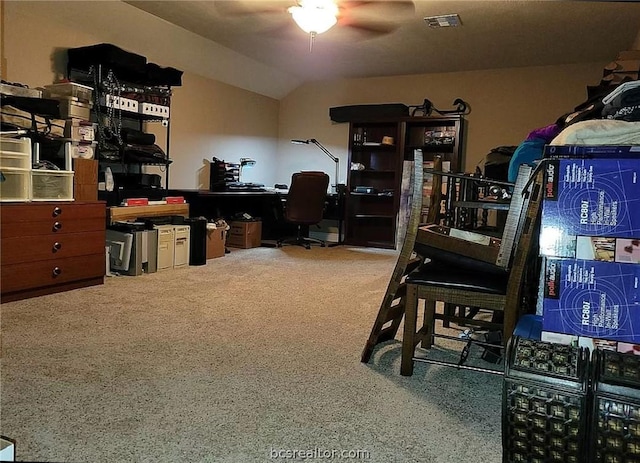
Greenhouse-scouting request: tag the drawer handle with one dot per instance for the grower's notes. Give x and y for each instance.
(57, 246)
(57, 226)
(56, 271)
(57, 211)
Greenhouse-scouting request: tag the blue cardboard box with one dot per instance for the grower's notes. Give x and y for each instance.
(592, 298)
(592, 151)
(586, 199)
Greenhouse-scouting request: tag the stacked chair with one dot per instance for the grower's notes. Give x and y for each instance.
(435, 265)
(561, 403)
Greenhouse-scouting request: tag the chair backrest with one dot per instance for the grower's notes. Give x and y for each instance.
(524, 255)
(517, 212)
(435, 199)
(478, 250)
(415, 211)
(406, 251)
(306, 197)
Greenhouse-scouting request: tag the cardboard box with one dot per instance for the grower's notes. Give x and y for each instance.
(216, 242)
(245, 234)
(589, 198)
(592, 298)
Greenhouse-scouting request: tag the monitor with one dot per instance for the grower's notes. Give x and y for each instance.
(120, 245)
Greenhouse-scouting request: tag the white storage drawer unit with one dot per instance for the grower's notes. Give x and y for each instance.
(15, 184)
(15, 153)
(15, 169)
(173, 246)
(51, 185)
(182, 243)
(166, 246)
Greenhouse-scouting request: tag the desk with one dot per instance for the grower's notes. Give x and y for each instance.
(268, 205)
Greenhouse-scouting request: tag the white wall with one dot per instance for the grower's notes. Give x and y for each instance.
(208, 117)
(506, 104)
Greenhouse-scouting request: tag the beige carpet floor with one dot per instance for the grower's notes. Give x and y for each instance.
(246, 359)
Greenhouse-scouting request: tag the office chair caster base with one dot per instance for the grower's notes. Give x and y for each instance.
(301, 241)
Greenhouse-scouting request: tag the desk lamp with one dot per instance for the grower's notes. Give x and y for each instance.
(245, 162)
(325, 151)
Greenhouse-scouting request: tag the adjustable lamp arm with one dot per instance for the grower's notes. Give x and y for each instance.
(325, 151)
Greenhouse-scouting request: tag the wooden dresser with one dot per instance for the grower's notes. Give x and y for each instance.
(50, 247)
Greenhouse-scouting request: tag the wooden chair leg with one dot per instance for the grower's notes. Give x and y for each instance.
(410, 325)
(511, 314)
(449, 309)
(429, 323)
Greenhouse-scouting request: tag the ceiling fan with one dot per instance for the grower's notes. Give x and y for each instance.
(368, 18)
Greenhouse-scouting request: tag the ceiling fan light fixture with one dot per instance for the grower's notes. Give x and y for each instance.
(315, 16)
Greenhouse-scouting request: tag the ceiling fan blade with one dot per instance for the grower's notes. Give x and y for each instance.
(373, 18)
(244, 8)
(368, 27)
(396, 7)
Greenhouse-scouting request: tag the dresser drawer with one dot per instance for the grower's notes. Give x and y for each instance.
(20, 213)
(52, 227)
(32, 248)
(30, 275)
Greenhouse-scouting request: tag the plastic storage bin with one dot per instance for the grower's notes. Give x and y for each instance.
(82, 150)
(15, 184)
(74, 109)
(78, 130)
(15, 153)
(72, 90)
(51, 185)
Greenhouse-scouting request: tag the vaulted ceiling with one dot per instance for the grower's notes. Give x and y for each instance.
(384, 38)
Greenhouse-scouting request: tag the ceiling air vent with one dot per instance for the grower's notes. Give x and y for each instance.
(445, 20)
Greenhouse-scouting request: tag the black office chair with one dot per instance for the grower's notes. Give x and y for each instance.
(305, 205)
